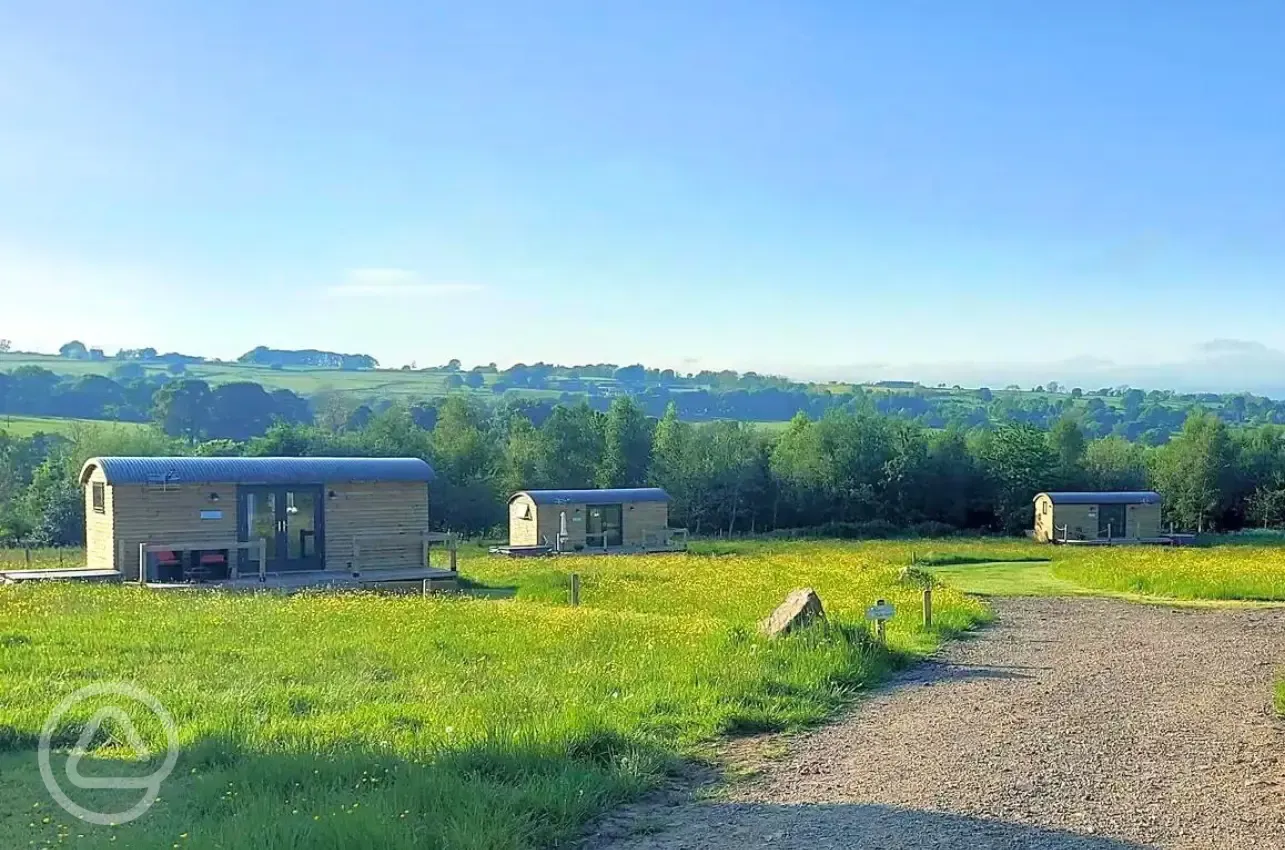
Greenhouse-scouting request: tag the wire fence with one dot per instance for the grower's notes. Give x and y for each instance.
(41, 559)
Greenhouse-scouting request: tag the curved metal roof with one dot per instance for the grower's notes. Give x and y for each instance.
(256, 470)
(594, 497)
(1128, 497)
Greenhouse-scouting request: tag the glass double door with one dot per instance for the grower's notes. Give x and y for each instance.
(1112, 521)
(288, 520)
(605, 526)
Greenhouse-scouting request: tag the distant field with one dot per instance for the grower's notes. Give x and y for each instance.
(26, 426)
(303, 381)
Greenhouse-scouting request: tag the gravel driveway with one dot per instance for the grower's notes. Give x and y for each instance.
(1071, 724)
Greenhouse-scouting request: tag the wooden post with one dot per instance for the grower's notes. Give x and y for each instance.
(425, 559)
(454, 550)
(26, 554)
(263, 559)
(356, 557)
(879, 627)
(928, 607)
(575, 590)
(142, 563)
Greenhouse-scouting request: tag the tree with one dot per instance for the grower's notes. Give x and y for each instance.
(5, 346)
(74, 350)
(1266, 505)
(181, 408)
(474, 379)
(626, 445)
(1019, 463)
(571, 447)
(128, 371)
(177, 368)
(1192, 471)
(1068, 445)
(238, 411)
(669, 468)
(1114, 463)
(454, 381)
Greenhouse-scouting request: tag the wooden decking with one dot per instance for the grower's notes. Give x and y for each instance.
(403, 578)
(68, 574)
(397, 578)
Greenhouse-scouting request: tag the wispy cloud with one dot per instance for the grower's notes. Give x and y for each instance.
(395, 283)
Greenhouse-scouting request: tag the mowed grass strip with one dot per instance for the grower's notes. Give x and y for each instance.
(1225, 572)
(345, 720)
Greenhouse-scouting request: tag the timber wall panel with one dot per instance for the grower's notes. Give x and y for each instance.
(100, 552)
(523, 522)
(385, 519)
(644, 517)
(144, 513)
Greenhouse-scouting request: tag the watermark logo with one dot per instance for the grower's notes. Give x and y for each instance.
(116, 696)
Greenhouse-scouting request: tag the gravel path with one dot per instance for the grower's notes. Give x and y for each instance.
(1071, 724)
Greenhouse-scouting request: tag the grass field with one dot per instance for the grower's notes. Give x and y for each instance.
(1235, 572)
(382, 382)
(26, 426)
(41, 559)
(358, 720)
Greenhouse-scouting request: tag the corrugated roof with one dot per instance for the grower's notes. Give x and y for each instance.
(257, 470)
(595, 497)
(1128, 497)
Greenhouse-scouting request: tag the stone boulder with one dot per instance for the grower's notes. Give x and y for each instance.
(799, 608)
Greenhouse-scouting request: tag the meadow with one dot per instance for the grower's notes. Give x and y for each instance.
(416, 383)
(346, 720)
(41, 559)
(1231, 572)
(28, 426)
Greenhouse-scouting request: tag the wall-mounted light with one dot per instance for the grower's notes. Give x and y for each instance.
(214, 497)
(331, 494)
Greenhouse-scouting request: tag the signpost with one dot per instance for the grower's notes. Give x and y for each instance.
(880, 612)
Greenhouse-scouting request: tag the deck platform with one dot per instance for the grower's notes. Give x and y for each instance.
(61, 574)
(395, 578)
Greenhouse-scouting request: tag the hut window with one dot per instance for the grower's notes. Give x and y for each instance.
(98, 495)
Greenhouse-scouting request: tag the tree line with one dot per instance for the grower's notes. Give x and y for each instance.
(844, 474)
(192, 408)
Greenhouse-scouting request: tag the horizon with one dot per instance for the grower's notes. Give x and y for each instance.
(1218, 356)
(986, 196)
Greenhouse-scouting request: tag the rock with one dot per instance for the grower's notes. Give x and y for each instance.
(801, 607)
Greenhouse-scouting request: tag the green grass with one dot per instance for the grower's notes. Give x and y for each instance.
(41, 559)
(26, 426)
(1007, 579)
(418, 383)
(358, 720)
(1235, 572)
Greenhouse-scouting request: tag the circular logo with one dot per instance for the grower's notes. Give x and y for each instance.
(151, 784)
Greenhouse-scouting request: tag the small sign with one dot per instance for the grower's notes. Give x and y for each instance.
(880, 612)
(211, 514)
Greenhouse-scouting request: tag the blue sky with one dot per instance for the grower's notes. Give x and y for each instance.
(829, 189)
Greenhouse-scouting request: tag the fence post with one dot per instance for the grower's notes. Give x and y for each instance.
(142, 563)
(575, 590)
(928, 607)
(26, 554)
(879, 627)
